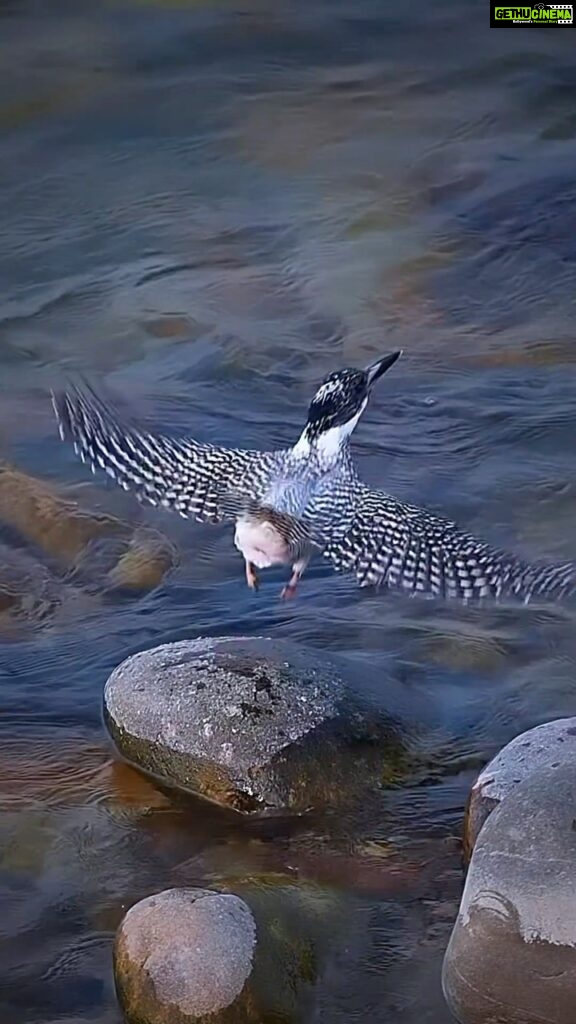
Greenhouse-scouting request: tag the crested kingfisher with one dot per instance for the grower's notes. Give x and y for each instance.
(293, 502)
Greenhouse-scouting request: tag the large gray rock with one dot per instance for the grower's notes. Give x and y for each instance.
(512, 954)
(250, 723)
(183, 955)
(547, 746)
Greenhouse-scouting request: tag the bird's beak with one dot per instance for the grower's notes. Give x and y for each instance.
(375, 370)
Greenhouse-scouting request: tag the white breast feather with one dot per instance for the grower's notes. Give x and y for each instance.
(261, 544)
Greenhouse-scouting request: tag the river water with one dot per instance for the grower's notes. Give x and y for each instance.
(205, 207)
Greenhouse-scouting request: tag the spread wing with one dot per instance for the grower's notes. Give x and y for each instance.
(388, 543)
(182, 475)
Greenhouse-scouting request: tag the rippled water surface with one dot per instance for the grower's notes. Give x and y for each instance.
(205, 207)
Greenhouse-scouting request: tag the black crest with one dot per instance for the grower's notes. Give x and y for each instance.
(338, 399)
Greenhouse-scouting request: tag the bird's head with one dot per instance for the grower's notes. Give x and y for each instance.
(338, 405)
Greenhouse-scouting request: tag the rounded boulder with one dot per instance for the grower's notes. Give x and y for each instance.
(184, 955)
(252, 724)
(512, 953)
(550, 745)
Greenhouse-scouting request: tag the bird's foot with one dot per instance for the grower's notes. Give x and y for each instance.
(291, 587)
(252, 577)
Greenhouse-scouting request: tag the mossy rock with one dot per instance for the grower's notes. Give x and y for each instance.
(256, 725)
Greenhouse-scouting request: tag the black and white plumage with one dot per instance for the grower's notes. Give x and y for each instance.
(289, 503)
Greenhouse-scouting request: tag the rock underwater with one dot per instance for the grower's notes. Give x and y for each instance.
(58, 556)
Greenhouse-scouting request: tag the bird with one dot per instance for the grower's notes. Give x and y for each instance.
(292, 503)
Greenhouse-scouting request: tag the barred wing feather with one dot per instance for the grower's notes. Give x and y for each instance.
(392, 544)
(183, 475)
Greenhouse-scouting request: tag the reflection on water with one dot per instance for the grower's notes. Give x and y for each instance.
(205, 207)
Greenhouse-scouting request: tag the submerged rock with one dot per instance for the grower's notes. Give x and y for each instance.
(132, 560)
(66, 769)
(250, 723)
(94, 548)
(297, 924)
(184, 955)
(28, 591)
(512, 953)
(145, 561)
(57, 526)
(547, 746)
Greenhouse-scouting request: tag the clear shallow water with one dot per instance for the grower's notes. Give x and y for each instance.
(206, 207)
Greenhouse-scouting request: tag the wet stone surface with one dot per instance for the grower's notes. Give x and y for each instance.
(512, 953)
(184, 956)
(251, 723)
(551, 745)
